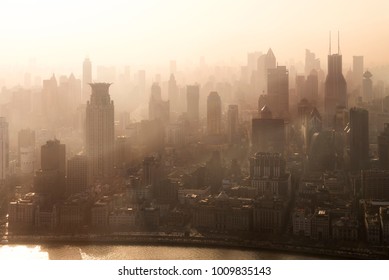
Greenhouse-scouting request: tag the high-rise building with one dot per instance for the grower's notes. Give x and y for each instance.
(158, 109)
(100, 136)
(192, 102)
(367, 86)
(278, 91)
(268, 134)
(359, 139)
(4, 149)
(335, 85)
(311, 62)
(50, 180)
(233, 124)
(86, 79)
(312, 88)
(214, 114)
(383, 148)
(173, 94)
(77, 175)
(357, 71)
(26, 150)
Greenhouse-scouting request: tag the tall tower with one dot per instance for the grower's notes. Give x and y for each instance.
(173, 94)
(100, 136)
(383, 147)
(4, 148)
(357, 71)
(359, 139)
(233, 124)
(86, 79)
(278, 91)
(214, 114)
(192, 102)
(367, 85)
(335, 85)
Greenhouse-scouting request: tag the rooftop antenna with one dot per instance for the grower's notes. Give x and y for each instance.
(338, 43)
(330, 45)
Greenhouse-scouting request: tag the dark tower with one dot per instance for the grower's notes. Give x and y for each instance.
(335, 84)
(359, 139)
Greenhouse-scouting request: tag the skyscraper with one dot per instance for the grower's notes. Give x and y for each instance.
(26, 150)
(100, 136)
(367, 86)
(335, 85)
(359, 139)
(233, 124)
(357, 71)
(173, 94)
(158, 109)
(383, 148)
(86, 79)
(77, 174)
(278, 91)
(192, 102)
(214, 114)
(4, 149)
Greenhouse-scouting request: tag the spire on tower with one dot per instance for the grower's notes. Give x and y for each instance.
(338, 43)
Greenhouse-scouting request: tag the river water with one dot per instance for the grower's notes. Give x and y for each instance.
(139, 252)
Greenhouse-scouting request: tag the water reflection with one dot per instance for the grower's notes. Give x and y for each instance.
(134, 252)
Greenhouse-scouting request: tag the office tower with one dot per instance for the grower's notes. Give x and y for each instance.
(359, 139)
(311, 62)
(50, 180)
(375, 184)
(367, 86)
(383, 148)
(122, 151)
(4, 149)
(268, 175)
(74, 92)
(26, 150)
(268, 134)
(335, 85)
(322, 152)
(357, 71)
(173, 94)
(86, 79)
(158, 109)
(192, 102)
(214, 114)
(300, 87)
(252, 60)
(278, 91)
(233, 124)
(100, 135)
(264, 63)
(50, 102)
(312, 88)
(214, 171)
(77, 175)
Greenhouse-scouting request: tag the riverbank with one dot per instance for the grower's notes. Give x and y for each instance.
(169, 240)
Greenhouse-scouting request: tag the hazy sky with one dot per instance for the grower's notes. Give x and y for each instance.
(153, 32)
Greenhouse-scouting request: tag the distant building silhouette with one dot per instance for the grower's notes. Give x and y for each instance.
(100, 136)
(335, 85)
(359, 139)
(26, 150)
(173, 94)
(278, 91)
(192, 102)
(214, 114)
(383, 148)
(158, 109)
(86, 79)
(367, 86)
(357, 71)
(4, 149)
(233, 124)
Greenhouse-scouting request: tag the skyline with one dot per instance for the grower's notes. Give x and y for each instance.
(151, 33)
